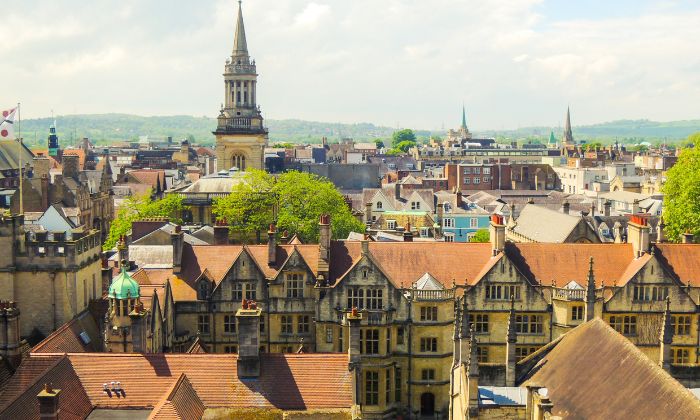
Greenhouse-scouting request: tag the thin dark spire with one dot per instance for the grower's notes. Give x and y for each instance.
(568, 135)
(464, 117)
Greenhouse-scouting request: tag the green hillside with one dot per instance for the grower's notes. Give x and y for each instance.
(107, 128)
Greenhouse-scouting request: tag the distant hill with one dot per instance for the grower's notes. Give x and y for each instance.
(107, 128)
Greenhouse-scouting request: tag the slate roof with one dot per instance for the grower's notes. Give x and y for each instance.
(617, 378)
(9, 157)
(541, 224)
(286, 381)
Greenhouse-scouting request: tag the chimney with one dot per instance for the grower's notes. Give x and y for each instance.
(248, 320)
(42, 165)
(511, 340)
(271, 245)
(368, 213)
(123, 251)
(397, 190)
(660, 231)
(666, 338)
(497, 231)
(285, 237)
(71, 166)
(606, 208)
(590, 292)
(44, 192)
(688, 238)
(178, 241)
(407, 234)
(635, 206)
(566, 206)
(638, 234)
(353, 320)
(48, 403)
(324, 244)
(459, 199)
(9, 332)
(138, 328)
(221, 232)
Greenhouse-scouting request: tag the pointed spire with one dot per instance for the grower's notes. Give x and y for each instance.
(568, 135)
(512, 334)
(240, 46)
(464, 117)
(590, 292)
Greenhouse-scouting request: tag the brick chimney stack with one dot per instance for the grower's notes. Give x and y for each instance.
(221, 232)
(407, 234)
(324, 244)
(48, 403)
(638, 234)
(248, 320)
(71, 166)
(272, 245)
(178, 241)
(497, 233)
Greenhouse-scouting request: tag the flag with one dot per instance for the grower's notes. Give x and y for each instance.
(7, 128)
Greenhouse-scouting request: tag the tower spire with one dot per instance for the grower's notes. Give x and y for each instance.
(464, 117)
(568, 135)
(240, 46)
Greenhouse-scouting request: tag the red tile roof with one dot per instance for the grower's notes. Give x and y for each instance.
(287, 381)
(683, 260)
(19, 401)
(405, 262)
(149, 177)
(180, 402)
(66, 339)
(546, 262)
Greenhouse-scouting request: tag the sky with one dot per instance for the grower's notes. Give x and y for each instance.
(401, 63)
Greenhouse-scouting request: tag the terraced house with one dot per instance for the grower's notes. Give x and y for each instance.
(408, 293)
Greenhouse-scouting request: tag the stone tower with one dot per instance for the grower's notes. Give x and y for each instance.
(240, 135)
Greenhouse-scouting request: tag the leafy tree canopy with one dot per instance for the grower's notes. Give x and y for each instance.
(379, 143)
(297, 200)
(481, 235)
(404, 146)
(401, 136)
(682, 195)
(138, 207)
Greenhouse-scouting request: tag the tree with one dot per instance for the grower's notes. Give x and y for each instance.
(402, 136)
(404, 146)
(138, 207)
(691, 141)
(379, 143)
(295, 199)
(682, 195)
(481, 235)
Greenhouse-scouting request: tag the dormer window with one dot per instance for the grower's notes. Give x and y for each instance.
(415, 205)
(391, 224)
(202, 290)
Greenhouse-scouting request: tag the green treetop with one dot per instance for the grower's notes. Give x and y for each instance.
(682, 196)
(294, 200)
(138, 207)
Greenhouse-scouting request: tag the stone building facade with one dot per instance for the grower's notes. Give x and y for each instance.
(51, 276)
(241, 137)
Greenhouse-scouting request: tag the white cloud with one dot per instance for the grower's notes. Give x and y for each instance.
(385, 61)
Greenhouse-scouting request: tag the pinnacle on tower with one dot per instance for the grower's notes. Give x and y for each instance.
(240, 46)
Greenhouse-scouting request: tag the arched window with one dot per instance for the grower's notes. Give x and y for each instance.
(379, 205)
(238, 161)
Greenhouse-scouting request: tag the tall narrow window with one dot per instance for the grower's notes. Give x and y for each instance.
(371, 388)
(303, 324)
(371, 341)
(286, 324)
(229, 324)
(397, 384)
(387, 387)
(355, 298)
(203, 324)
(374, 299)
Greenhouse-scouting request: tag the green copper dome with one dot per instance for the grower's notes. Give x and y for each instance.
(124, 286)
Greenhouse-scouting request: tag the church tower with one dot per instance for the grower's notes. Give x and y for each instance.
(240, 135)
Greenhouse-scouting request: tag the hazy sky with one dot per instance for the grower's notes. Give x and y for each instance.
(393, 62)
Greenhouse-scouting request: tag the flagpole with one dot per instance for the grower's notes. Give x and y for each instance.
(21, 169)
